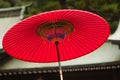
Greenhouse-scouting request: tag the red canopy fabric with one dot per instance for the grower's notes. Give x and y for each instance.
(89, 32)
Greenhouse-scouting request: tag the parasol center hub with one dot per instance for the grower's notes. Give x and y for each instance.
(56, 31)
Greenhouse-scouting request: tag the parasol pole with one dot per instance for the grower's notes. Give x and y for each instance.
(58, 53)
(60, 68)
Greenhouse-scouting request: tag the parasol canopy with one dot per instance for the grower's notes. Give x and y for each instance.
(78, 33)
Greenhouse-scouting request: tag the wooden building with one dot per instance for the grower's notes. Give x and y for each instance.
(102, 64)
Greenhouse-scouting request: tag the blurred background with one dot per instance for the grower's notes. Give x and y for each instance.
(101, 64)
(108, 9)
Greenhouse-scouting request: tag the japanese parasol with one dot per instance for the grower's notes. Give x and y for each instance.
(56, 36)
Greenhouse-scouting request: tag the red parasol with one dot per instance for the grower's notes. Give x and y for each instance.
(40, 38)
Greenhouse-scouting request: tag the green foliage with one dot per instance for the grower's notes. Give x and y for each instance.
(42, 5)
(113, 26)
(108, 9)
(4, 4)
(51, 6)
(12, 3)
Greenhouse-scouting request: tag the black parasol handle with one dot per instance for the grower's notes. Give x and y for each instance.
(58, 53)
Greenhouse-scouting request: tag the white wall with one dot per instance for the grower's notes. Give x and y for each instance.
(116, 35)
(5, 24)
(106, 53)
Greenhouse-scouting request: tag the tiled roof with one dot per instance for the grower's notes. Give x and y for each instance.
(10, 16)
(103, 58)
(75, 68)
